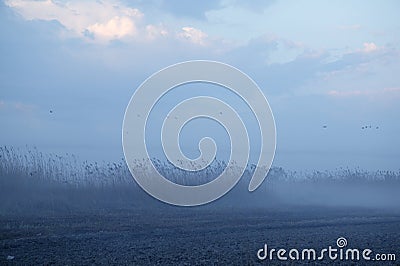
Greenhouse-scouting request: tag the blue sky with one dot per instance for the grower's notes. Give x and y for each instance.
(318, 62)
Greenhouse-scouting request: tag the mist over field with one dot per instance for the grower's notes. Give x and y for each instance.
(36, 183)
(328, 72)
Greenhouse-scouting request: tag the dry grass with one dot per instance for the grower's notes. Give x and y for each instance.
(32, 182)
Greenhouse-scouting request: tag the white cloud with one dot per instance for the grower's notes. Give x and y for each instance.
(193, 35)
(100, 20)
(154, 31)
(115, 28)
(369, 47)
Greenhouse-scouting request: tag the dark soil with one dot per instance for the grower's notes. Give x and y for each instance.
(196, 236)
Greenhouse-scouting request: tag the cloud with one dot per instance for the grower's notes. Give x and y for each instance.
(89, 19)
(369, 47)
(355, 93)
(189, 9)
(115, 28)
(154, 31)
(103, 21)
(193, 35)
(360, 59)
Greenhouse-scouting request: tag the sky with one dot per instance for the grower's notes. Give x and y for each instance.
(328, 69)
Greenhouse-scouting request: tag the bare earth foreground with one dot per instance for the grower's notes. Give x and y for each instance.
(167, 235)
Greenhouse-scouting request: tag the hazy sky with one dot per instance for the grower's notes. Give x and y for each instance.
(318, 62)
